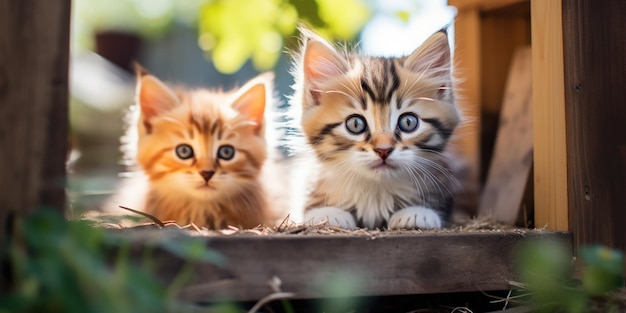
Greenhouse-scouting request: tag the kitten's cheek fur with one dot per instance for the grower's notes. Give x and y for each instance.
(335, 217)
(415, 217)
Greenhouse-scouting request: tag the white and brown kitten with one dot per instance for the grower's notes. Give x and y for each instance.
(201, 154)
(379, 128)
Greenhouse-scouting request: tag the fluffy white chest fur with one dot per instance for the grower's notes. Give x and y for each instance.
(374, 198)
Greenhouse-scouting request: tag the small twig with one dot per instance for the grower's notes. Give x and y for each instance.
(508, 296)
(295, 230)
(194, 226)
(270, 298)
(283, 223)
(517, 284)
(156, 220)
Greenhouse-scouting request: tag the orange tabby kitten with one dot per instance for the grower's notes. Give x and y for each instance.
(202, 153)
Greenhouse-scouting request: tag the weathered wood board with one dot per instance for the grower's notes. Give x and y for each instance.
(513, 153)
(594, 38)
(378, 265)
(34, 57)
(34, 54)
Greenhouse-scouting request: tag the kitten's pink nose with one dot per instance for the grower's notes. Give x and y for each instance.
(206, 175)
(383, 153)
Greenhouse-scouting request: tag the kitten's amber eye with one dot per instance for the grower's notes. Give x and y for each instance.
(226, 152)
(408, 122)
(356, 124)
(184, 151)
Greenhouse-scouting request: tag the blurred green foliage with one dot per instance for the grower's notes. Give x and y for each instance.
(340, 289)
(233, 31)
(605, 269)
(230, 32)
(69, 266)
(547, 269)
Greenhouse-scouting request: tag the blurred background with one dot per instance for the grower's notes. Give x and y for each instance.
(206, 43)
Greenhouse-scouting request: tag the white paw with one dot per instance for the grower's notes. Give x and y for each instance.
(334, 217)
(415, 217)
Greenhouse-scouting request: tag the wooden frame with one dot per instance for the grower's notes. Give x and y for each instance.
(578, 111)
(492, 30)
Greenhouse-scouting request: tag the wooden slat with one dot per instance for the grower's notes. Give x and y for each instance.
(594, 36)
(512, 157)
(379, 264)
(550, 155)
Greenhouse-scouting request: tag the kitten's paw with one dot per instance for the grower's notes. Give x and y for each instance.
(334, 216)
(415, 217)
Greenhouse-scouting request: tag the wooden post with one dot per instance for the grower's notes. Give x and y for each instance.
(34, 53)
(594, 36)
(550, 155)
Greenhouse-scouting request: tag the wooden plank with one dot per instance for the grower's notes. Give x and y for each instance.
(34, 53)
(512, 157)
(550, 154)
(467, 65)
(380, 264)
(595, 77)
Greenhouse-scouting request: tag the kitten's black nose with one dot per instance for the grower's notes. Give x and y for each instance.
(383, 153)
(206, 175)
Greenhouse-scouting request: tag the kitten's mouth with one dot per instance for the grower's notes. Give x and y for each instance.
(383, 165)
(205, 187)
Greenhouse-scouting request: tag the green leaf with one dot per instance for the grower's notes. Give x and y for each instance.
(604, 270)
(543, 263)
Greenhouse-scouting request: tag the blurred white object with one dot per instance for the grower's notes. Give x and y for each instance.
(100, 84)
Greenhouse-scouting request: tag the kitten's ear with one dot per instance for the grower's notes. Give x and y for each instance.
(139, 70)
(153, 96)
(320, 60)
(432, 57)
(252, 98)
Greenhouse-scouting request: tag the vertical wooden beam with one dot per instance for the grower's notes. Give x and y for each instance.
(467, 63)
(550, 155)
(34, 54)
(594, 36)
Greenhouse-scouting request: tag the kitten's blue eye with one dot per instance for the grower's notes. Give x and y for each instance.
(226, 152)
(184, 151)
(408, 122)
(356, 124)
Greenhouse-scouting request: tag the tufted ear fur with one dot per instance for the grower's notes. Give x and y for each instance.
(320, 62)
(252, 98)
(153, 96)
(432, 57)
